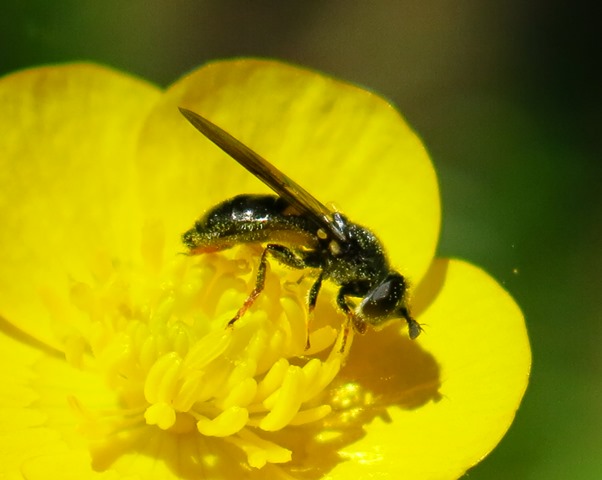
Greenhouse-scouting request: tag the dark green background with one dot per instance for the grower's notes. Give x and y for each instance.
(506, 96)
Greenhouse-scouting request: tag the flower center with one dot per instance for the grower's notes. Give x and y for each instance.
(158, 336)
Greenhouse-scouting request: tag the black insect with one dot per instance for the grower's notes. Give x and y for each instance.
(299, 231)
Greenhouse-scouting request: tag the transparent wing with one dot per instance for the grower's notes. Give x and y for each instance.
(284, 186)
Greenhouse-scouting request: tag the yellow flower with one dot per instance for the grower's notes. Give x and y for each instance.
(114, 359)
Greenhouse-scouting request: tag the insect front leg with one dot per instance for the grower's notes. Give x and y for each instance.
(359, 325)
(283, 255)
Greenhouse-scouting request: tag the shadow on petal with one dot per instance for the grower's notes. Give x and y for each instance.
(430, 287)
(15, 333)
(384, 369)
(187, 456)
(394, 369)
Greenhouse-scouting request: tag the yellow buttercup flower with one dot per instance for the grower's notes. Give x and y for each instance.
(114, 357)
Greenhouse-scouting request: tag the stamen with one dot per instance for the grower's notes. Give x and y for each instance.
(162, 346)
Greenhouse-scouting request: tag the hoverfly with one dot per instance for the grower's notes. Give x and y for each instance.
(302, 233)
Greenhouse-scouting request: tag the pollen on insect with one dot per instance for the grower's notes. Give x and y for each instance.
(322, 235)
(334, 248)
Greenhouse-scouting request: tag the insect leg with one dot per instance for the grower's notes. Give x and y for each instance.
(286, 256)
(413, 326)
(283, 255)
(311, 303)
(359, 325)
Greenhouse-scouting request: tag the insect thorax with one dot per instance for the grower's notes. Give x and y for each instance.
(361, 258)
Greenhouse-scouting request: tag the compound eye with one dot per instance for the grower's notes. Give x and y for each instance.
(383, 299)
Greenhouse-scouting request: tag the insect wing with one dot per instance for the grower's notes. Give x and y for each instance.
(284, 186)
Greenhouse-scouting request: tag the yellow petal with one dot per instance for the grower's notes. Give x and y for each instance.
(64, 465)
(452, 394)
(23, 430)
(344, 144)
(400, 409)
(66, 181)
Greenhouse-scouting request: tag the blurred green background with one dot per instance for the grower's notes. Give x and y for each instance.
(506, 96)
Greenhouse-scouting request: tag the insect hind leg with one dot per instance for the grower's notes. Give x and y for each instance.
(311, 304)
(283, 255)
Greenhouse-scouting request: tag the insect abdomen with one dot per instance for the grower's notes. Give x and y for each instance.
(248, 219)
